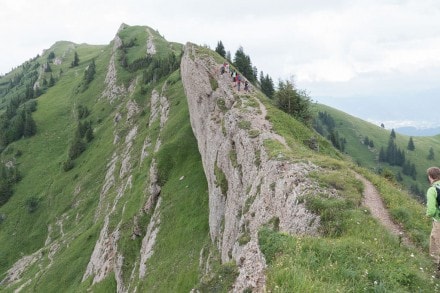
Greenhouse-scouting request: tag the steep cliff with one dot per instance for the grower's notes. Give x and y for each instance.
(247, 188)
(185, 185)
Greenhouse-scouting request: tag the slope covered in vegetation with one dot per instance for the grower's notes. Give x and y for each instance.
(398, 157)
(120, 192)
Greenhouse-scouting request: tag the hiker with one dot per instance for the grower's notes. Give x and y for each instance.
(227, 67)
(234, 75)
(238, 79)
(433, 211)
(246, 86)
(222, 70)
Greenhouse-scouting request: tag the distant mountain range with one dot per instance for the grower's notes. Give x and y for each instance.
(413, 131)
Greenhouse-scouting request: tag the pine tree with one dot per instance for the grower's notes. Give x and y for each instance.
(382, 155)
(228, 55)
(431, 154)
(47, 68)
(51, 81)
(77, 147)
(243, 63)
(75, 61)
(220, 49)
(411, 146)
(366, 140)
(89, 74)
(29, 127)
(393, 134)
(51, 56)
(294, 102)
(266, 84)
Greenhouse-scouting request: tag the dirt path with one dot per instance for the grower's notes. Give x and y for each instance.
(374, 203)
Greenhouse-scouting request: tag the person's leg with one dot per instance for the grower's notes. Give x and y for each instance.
(434, 242)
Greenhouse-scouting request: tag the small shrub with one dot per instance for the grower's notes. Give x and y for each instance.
(222, 104)
(165, 163)
(233, 158)
(272, 186)
(82, 111)
(68, 165)
(32, 203)
(253, 133)
(243, 124)
(221, 280)
(77, 148)
(213, 82)
(223, 128)
(274, 223)
(220, 179)
(2, 218)
(247, 205)
(244, 238)
(257, 160)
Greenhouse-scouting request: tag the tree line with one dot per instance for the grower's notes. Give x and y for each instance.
(325, 125)
(286, 97)
(82, 137)
(153, 66)
(395, 156)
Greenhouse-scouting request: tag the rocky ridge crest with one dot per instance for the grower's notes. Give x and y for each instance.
(247, 188)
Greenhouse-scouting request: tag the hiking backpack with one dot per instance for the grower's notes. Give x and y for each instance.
(437, 188)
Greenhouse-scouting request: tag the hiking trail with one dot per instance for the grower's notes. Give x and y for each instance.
(374, 203)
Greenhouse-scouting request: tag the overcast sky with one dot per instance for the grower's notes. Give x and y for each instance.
(377, 60)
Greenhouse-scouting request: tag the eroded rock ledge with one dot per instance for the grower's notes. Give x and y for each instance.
(247, 188)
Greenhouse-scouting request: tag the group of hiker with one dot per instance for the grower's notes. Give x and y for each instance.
(237, 79)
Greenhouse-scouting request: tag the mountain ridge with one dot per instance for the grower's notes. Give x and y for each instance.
(187, 185)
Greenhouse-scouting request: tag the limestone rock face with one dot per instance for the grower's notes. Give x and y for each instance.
(247, 188)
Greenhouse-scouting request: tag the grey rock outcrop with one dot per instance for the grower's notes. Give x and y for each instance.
(247, 188)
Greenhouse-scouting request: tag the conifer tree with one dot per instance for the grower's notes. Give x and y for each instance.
(366, 140)
(47, 68)
(244, 64)
(51, 81)
(220, 49)
(30, 127)
(228, 55)
(431, 154)
(266, 84)
(51, 56)
(89, 74)
(75, 61)
(294, 102)
(393, 134)
(411, 146)
(382, 156)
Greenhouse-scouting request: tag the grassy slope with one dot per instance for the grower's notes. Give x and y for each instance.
(40, 165)
(355, 253)
(355, 129)
(185, 206)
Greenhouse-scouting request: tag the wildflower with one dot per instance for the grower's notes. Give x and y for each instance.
(412, 254)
